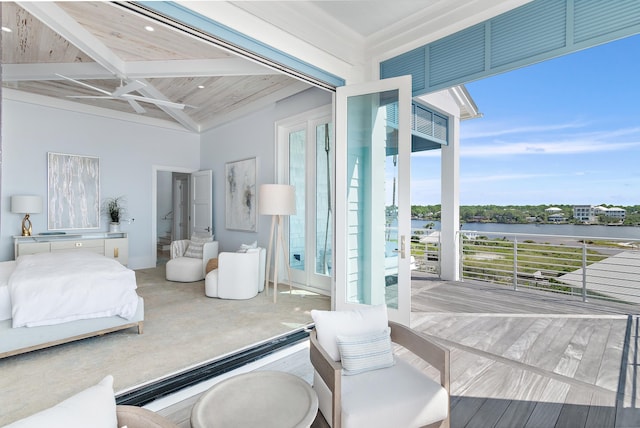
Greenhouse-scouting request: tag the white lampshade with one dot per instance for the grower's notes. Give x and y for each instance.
(277, 199)
(26, 204)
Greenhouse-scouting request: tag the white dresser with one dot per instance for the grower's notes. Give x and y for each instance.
(114, 245)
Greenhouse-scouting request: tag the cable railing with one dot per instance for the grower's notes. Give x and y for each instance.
(589, 267)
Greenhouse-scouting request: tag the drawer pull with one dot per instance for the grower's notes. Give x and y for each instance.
(115, 253)
(78, 244)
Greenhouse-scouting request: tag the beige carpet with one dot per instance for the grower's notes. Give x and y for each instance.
(182, 328)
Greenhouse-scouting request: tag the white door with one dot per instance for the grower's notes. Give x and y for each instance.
(373, 217)
(201, 202)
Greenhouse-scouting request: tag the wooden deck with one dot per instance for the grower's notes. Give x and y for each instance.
(520, 358)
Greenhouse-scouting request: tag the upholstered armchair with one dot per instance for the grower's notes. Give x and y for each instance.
(189, 258)
(359, 381)
(238, 276)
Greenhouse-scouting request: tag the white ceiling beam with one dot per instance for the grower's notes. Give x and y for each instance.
(62, 104)
(63, 24)
(178, 115)
(49, 71)
(196, 68)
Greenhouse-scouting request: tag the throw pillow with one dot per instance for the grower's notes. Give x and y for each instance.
(212, 264)
(196, 244)
(245, 247)
(94, 407)
(365, 352)
(329, 324)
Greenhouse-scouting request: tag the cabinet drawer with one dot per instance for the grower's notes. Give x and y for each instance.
(95, 245)
(33, 248)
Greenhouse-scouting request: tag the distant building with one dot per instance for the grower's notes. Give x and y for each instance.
(590, 213)
(553, 210)
(556, 218)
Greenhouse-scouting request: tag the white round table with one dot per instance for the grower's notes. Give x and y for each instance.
(257, 399)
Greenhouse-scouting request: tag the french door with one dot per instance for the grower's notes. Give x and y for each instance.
(305, 154)
(373, 148)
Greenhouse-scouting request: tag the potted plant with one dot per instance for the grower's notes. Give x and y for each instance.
(114, 210)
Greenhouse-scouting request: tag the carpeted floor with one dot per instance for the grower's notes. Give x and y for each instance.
(182, 328)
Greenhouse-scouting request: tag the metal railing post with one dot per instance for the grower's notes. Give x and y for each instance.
(584, 271)
(515, 264)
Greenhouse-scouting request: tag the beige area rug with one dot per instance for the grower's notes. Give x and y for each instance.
(182, 328)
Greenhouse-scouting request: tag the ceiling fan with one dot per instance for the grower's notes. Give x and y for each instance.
(123, 92)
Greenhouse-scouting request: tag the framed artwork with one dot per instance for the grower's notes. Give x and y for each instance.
(73, 191)
(241, 210)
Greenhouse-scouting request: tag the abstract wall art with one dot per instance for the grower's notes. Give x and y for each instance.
(241, 211)
(73, 192)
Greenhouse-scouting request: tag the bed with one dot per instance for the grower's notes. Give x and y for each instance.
(51, 298)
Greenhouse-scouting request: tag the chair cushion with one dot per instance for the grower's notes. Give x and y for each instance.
(408, 398)
(184, 269)
(365, 352)
(196, 243)
(329, 324)
(94, 407)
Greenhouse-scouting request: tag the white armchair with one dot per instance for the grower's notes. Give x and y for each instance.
(238, 276)
(188, 265)
(361, 384)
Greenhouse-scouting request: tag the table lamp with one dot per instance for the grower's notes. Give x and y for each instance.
(277, 200)
(26, 204)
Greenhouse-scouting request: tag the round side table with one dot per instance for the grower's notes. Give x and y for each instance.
(262, 398)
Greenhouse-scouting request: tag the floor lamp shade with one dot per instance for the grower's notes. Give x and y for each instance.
(277, 199)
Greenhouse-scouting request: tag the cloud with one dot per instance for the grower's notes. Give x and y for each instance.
(506, 177)
(560, 147)
(498, 129)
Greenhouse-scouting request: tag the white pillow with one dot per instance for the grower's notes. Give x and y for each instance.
(94, 407)
(329, 324)
(196, 245)
(246, 247)
(365, 352)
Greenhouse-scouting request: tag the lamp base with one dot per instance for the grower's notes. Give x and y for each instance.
(26, 226)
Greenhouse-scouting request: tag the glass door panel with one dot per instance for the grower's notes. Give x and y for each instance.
(372, 196)
(297, 178)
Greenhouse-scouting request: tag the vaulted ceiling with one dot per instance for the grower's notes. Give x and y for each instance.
(102, 46)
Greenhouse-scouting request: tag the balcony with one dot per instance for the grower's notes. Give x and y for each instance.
(542, 334)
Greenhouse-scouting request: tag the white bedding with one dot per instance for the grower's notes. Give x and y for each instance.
(6, 268)
(52, 288)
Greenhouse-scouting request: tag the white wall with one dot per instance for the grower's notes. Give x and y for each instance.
(250, 136)
(127, 152)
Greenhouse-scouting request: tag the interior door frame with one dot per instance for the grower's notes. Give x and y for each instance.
(403, 85)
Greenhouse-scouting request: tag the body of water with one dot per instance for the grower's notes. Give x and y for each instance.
(587, 231)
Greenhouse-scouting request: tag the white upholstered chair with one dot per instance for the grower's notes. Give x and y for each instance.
(189, 258)
(238, 276)
(361, 386)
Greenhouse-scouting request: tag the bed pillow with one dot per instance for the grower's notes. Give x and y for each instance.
(330, 324)
(94, 407)
(362, 353)
(196, 245)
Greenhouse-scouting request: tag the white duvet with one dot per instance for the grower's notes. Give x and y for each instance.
(51, 288)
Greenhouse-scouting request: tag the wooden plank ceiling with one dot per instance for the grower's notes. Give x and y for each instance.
(106, 46)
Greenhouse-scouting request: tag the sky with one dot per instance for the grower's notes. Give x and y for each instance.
(564, 131)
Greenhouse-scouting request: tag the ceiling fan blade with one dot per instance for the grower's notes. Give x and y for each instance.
(154, 101)
(137, 107)
(92, 97)
(86, 85)
(134, 85)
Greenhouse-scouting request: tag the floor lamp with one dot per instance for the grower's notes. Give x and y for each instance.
(277, 200)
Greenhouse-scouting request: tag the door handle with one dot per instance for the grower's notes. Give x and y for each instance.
(402, 246)
(208, 229)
